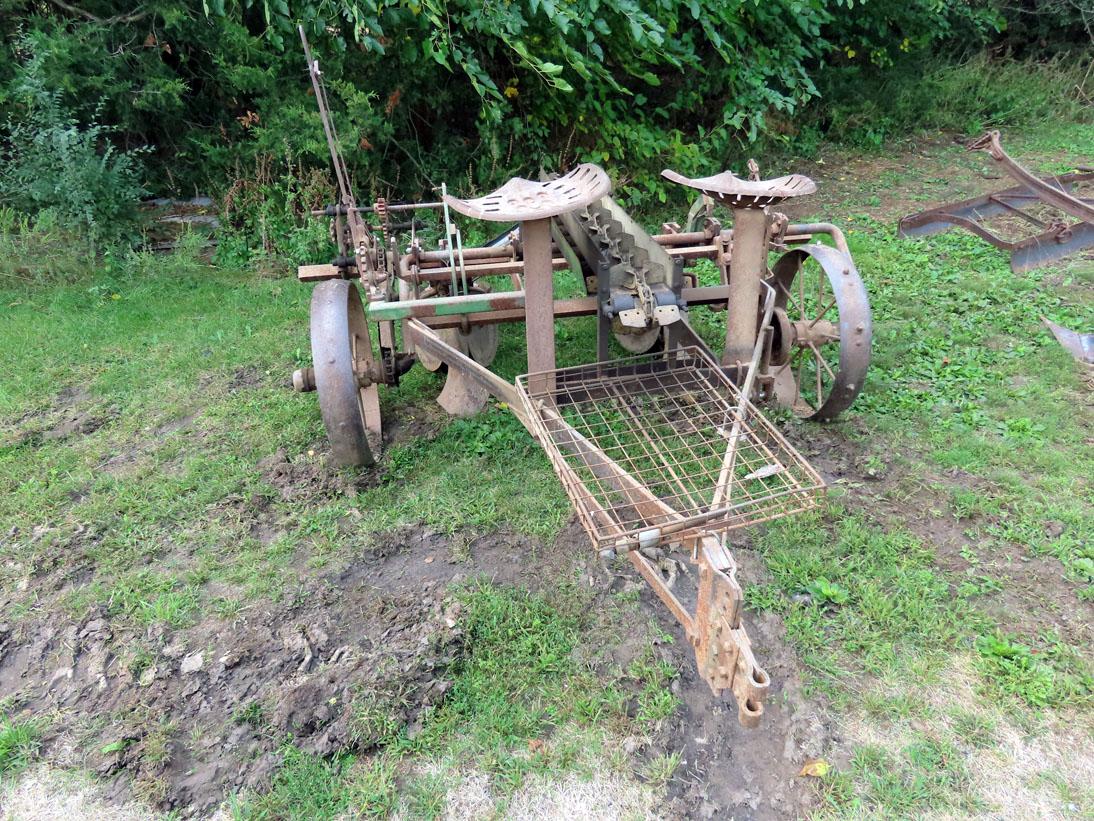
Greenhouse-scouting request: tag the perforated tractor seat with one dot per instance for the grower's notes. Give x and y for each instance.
(734, 192)
(521, 200)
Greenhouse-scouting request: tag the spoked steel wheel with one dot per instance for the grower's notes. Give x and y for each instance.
(345, 372)
(822, 330)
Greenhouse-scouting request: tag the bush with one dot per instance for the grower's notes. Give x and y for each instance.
(467, 92)
(65, 173)
(38, 250)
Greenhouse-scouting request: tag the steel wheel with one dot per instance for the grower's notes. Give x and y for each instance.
(822, 330)
(342, 359)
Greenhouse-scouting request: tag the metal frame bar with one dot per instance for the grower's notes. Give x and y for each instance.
(1048, 246)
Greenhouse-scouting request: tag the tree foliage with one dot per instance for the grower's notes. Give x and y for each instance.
(463, 90)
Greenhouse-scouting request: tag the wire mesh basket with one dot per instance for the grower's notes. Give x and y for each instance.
(660, 448)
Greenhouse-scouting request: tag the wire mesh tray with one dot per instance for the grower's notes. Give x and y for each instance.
(661, 448)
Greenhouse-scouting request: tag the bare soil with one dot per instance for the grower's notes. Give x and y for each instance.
(730, 771)
(183, 718)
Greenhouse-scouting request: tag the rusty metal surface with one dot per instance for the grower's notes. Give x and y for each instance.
(658, 427)
(539, 297)
(729, 189)
(747, 268)
(1057, 237)
(341, 353)
(520, 200)
(641, 446)
(425, 338)
(1044, 189)
(812, 319)
(657, 452)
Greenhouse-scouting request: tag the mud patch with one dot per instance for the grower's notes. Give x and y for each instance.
(71, 413)
(246, 377)
(302, 478)
(179, 719)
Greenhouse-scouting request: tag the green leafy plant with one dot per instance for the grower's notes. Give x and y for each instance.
(824, 591)
(1012, 667)
(68, 170)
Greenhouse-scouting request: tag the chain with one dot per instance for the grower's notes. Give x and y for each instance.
(597, 223)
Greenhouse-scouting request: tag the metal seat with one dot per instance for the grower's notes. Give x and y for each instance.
(734, 192)
(521, 200)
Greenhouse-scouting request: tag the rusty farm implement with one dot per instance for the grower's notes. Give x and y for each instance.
(660, 448)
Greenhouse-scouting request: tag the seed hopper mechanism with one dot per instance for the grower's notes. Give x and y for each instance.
(657, 441)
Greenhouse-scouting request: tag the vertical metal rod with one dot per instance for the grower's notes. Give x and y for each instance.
(724, 487)
(746, 271)
(539, 302)
(448, 237)
(463, 268)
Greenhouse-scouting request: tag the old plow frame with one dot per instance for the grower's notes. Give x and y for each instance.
(656, 441)
(1056, 239)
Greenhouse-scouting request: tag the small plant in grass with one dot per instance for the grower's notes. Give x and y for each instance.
(18, 743)
(427, 797)
(660, 769)
(1012, 668)
(373, 721)
(656, 701)
(824, 591)
(974, 729)
(252, 715)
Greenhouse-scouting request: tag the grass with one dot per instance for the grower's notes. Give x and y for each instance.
(18, 744)
(136, 404)
(520, 705)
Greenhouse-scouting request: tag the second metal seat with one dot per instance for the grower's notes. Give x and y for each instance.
(735, 192)
(521, 200)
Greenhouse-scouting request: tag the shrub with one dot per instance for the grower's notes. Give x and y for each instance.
(65, 173)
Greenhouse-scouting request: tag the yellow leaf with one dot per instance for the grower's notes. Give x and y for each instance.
(815, 767)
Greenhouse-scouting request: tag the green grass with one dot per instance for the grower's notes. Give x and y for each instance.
(972, 422)
(18, 744)
(310, 787)
(520, 704)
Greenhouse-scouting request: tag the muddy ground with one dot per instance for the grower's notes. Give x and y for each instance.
(183, 718)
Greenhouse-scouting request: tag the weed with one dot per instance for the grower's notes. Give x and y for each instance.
(373, 721)
(974, 729)
(661, 768)
(1013, 669)
(427, 797)
(656, 701)
(252, 715)
(825, 592)
(304, 787)
(18, 744)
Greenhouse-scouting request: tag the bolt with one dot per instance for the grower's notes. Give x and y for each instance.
(860, 327)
